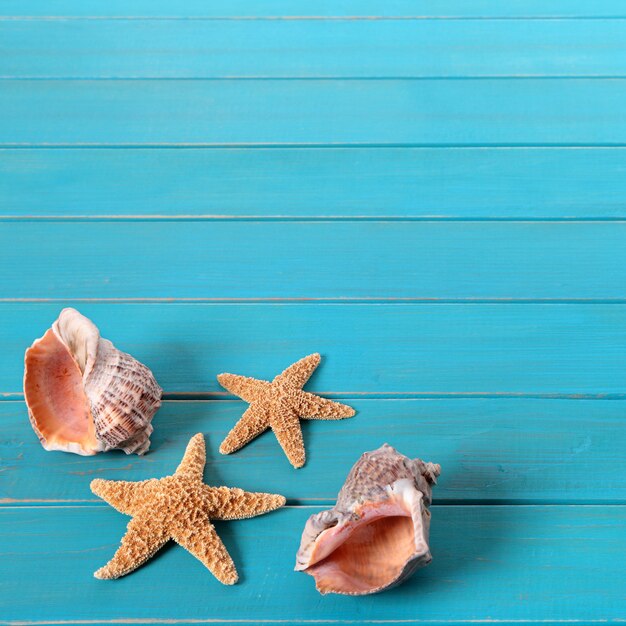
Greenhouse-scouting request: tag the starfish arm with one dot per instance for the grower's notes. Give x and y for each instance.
(298, 373)
(286, 427)
(253, 422)
(240, 504)
(143, 538)
(122, 495)
(203, 542)
(194, 458)
(246, 388)
(310, 406)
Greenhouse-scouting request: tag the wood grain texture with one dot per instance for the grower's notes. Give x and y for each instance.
(314, 260)
(558, 563)
(448, 183)
(319, 8)
(491, 450)
(457, 349)
(311, 48)
(429, 194)
(320, 112)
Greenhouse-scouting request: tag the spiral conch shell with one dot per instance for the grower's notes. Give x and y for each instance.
(377, 533)
(85, 396)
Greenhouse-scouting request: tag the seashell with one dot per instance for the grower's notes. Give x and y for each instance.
(377, 533)
(84, 395)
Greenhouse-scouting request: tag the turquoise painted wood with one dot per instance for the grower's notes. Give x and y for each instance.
(319, 8)
(533, 111)
(226, 259)
(430, 194)
(431, 183)
(530, 563)
(385, 349)
(492, 450)
(312, 48)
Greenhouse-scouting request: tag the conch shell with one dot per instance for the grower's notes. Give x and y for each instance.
(377, 533)
(85, 396)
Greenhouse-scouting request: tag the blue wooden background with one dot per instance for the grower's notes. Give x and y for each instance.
(430, 194)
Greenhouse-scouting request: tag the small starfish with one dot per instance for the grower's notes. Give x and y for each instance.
(279, 405)
(178, 507)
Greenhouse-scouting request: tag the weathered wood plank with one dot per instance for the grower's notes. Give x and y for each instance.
(313, 260)
(321, 112)
(491, 450)
(472, 183)
(435, 349)
(311, 48)
(557, 563)
(319, 8)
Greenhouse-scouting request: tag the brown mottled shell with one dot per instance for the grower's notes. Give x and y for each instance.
(377, 533)
(84, 395)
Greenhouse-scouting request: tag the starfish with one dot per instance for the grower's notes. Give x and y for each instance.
(279, 405)
(178, 507)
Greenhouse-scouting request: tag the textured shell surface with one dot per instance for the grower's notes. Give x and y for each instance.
(84, 395)
(377, 533)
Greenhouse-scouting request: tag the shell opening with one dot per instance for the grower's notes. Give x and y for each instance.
(372, 552)
(58, 406)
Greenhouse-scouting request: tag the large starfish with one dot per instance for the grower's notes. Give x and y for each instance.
(279, 405)
(178, 507)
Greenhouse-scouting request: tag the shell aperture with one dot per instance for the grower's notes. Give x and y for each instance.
(377, 533)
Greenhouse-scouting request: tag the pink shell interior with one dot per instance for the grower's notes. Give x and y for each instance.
(53, 388)
(365, 555)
